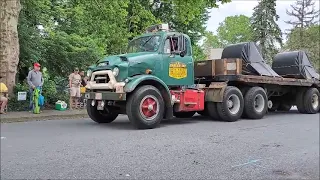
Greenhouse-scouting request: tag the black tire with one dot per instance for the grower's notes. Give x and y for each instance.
(184, 114)
(133, 106)
(284, 107)
(100, 116)
(211, 108)
(275, 106)
(223, 110)
(311, 105)
(300, 101)
(252, 111)
(205, 111)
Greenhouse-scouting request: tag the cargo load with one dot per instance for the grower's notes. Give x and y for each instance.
(294, 64)
(253, 62)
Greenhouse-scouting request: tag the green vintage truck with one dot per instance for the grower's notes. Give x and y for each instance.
(158, 79)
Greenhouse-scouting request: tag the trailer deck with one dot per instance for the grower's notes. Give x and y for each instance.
(268, 80)
(231, 69)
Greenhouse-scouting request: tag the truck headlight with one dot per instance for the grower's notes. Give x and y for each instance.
(89, 72)
(115, 71)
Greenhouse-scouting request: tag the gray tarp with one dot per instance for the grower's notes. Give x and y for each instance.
(294, 64)
(253, 62)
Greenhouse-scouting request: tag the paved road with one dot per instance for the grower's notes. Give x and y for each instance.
(277, 147)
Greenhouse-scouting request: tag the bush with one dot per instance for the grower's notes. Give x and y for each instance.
(14, 104)
(49, 91)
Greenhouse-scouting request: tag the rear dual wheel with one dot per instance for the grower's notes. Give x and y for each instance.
(255, 103)
(308, 101)
(230, 109)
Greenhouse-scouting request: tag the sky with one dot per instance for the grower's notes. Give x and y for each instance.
(245, 7)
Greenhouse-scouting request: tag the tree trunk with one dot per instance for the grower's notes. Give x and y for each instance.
(9, 41)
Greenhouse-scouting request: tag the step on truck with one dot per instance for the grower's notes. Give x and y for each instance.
(158, 79)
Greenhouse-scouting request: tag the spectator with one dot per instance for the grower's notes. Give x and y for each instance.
(3, 97)
(84, 79)
(74, 84)
(35, 80)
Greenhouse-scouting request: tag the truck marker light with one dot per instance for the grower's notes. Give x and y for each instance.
(148, 71)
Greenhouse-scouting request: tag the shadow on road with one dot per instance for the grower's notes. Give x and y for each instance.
(122, 123)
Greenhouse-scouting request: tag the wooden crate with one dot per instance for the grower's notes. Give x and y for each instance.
(214, 67)
(228, 66)
(204, 68)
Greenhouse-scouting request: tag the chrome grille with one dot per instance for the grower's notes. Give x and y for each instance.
(101, 78)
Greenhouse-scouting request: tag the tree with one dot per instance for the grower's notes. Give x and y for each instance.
(210, 41)
(9, 47)
(235, 29)
(266, 30)
(310, 43)
(305, 14)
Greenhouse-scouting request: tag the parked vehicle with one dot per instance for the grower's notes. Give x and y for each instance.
(158, 79)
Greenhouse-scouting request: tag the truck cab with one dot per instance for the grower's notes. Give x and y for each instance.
(162, 54)
(158, 61)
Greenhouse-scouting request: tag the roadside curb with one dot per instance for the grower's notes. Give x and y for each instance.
(43, 117)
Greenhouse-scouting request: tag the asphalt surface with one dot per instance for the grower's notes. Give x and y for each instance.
(280, 146)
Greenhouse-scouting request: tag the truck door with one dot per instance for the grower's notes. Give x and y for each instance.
(177, 61)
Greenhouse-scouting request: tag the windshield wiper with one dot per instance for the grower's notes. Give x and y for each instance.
(147, 41)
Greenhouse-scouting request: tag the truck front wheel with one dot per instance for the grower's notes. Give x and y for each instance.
(100, 116)
(231, 108)
(145, 107)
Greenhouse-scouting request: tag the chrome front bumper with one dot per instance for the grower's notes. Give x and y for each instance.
(112, 84)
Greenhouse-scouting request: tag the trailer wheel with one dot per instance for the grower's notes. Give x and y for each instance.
(100, 116)
(311, 101)
(184, 114)
(211, 109)
(145, 107)
(255, 103)
(231, 108)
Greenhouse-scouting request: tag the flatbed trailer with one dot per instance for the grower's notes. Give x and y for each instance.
(279, 93)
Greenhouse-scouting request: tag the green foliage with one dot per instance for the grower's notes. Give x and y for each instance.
(64, 52)
(14, 104)
(266, 30)
(198, 53)
(79, 32)
(310, 42)
(235, 29)
(211, 41)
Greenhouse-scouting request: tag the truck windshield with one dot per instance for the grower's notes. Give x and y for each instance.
(144, 44)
